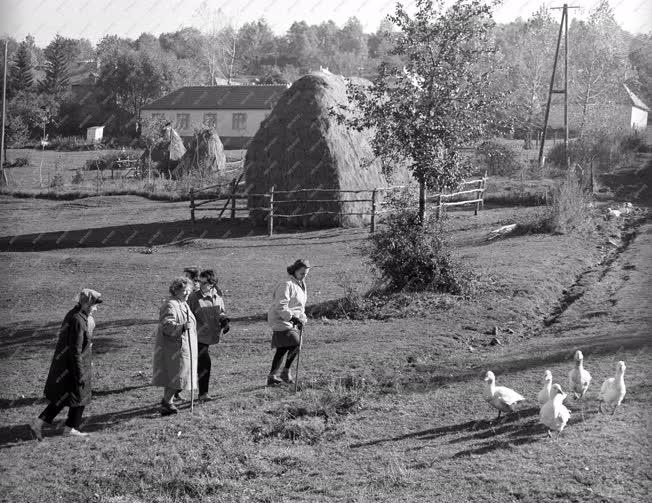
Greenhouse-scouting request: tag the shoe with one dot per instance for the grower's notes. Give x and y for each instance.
(286, 375)
(272, 380)
(168, 408)
(204, 397)
(35, 427)
(73, 432)
(177, 397)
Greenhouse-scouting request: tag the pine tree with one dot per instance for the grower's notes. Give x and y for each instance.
(57, 73)
(22, 78)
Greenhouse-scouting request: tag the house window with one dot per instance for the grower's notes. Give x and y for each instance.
(239, 121)
(210, 120)
(183, 122)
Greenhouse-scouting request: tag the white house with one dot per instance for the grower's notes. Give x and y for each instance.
(235, 111)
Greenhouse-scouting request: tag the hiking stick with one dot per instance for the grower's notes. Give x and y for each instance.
(296, 379)
(192, 375)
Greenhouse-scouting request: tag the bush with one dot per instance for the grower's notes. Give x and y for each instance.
(78, 177)
(633, 143)
(499, 159)
(571, 209)
(414, 257)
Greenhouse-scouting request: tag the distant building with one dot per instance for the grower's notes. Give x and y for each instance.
(624, 110)
(235, 111)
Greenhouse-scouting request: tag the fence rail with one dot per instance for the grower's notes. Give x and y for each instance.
(274, 204)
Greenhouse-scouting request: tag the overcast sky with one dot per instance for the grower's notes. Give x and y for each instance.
(93, 19)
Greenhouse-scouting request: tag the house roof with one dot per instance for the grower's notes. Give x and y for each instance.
(220, 97)
(635, 100)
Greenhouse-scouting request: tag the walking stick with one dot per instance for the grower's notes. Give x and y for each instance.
(296, 379)
(192, 375)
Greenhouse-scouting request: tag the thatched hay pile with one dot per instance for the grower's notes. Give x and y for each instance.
(166, 153)
(204, 156)
(301, 146)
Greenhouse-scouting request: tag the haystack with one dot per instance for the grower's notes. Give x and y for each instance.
(204, 156)
(301, 146)
(167, 152)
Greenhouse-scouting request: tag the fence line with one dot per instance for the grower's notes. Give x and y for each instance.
(442, 201)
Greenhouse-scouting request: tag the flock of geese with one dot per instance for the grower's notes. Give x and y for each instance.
(553, 413)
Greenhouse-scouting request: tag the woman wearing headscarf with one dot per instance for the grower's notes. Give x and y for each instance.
(175, 349)
(208, 307)
(286, 317)
(69, 379)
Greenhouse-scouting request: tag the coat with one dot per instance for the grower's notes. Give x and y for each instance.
(69, 378)
(175, 349)
(288, 299)
(209, 312)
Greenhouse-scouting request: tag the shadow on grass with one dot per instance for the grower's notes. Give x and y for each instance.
(427, 377)
(14, 434)
(23, 336)
(148, 234)
(160, 233)
(9, 403)
(482, 428)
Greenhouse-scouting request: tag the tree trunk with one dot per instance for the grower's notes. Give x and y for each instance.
(422, 201)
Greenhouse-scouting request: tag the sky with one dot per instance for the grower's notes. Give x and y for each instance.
(93, 19)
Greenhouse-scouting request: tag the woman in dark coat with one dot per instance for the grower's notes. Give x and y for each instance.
(69, 380)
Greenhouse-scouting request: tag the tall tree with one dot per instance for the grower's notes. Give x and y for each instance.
(301, 45)
(22, 71)
(528, 52)
(440, 102)
(57, 72)
(640, 57)
(600, 66)
(258, 46)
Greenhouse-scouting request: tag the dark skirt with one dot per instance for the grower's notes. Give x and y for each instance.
(285, 338)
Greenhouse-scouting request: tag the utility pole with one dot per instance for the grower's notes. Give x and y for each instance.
(563, 28)
(3, 175)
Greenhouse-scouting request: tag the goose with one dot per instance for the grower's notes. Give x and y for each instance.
(554, 413)
(545, 394)
(613, 213)
(613, 389)
(579, 378)
(500, 397)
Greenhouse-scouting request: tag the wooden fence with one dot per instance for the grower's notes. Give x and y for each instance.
(231, 196)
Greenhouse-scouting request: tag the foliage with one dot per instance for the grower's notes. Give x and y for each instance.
(499, 159)
(413, 257)
(22, 77)
(441, 100)
(106, 161)
(571, 210)
(57, 72)
(78, 177)
(600, 67)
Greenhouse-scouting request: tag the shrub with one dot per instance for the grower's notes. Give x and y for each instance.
(633, 143)
(414, 257)
(105, 161)
(57, 181)
(499, 159)
(571, 210)
(78, 177)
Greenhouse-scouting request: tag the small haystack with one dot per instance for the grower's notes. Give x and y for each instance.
(204, 156)
(167, 152)
(301, 146)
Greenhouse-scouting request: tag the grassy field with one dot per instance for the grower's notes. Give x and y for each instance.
(388, 410)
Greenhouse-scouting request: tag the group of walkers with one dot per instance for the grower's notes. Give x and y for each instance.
(191, 319)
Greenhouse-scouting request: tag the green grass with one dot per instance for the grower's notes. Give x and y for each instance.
(388, 410)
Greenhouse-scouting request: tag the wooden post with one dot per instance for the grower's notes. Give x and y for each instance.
(439, 207)
(270, 221)
(233, 207)
(192, 205)
(373, 210)
(477, 196)
(484, 188)
(3, 150)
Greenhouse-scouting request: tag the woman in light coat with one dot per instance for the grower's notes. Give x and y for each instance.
(286, 317)
(175, 350)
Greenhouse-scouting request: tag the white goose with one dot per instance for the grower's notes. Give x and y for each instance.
(502, 398)
(554, 413)
(613, 389)
(579, 378)
(545, 394)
